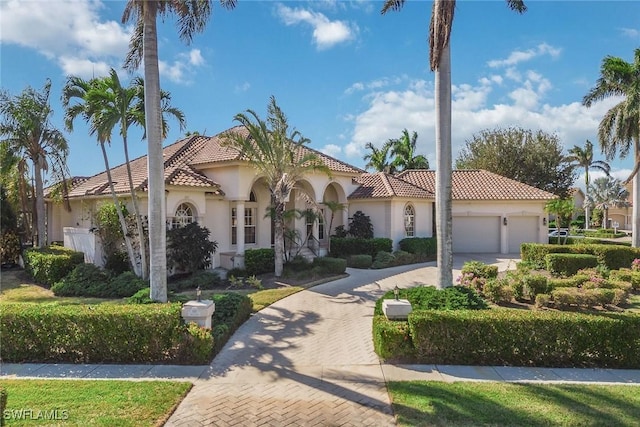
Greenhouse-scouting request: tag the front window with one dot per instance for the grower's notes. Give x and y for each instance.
(249, 225)
(409, 221)
(183, 216)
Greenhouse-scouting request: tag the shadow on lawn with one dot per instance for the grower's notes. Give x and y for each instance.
(455, 404)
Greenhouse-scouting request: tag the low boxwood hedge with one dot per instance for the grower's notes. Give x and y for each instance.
(525, 338)
(232, 310)
(611, 256)
(569, 264)
(419, 245)
(342, 247)
(359, 261)
(153, 333)
(259, 261)
(329, 265)
(48, 265)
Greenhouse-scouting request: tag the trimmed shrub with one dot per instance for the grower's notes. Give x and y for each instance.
(342, 247)
(259, 261)
(330, 265)
(298, 263)
(542, 300)
(419, 245)
(383, 260)
(391, 339)
(569, 264)
(202, 278)
(627, 275)
(153, 333)
(609, 255)
(535, 253)
(360, 226)
(535, 284)
(587, 297)
(48, 265)
(480, 269)
(498, 291)
(232, 310)
(10, 249)
(526, 338)
(359, 261)
(431, 298)
(88, 280)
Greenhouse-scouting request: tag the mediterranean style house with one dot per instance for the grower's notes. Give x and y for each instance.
(212, 185)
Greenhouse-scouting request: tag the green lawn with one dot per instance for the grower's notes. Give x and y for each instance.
(91, 403)
(431, 403)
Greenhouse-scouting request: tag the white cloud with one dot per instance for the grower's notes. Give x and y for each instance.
(518, 56)
(375, 84)
(631, 32)
(182, 69)
(475, 107)
(242, 87)
(332, 150)
(70, 33)
(326, 33)
(195, 57)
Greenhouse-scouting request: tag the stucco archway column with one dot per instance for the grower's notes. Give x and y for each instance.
(345, 216)
(240, 228)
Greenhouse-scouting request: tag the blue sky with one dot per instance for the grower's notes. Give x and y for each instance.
(344, 74)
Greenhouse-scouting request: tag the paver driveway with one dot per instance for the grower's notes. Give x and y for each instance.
(307, 359)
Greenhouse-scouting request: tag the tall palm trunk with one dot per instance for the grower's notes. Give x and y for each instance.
(635, 212)
(42, 237)
(278, 238)
(136, 210)
(123, 223)
(444, 256)
(156, 207)
(586, 196)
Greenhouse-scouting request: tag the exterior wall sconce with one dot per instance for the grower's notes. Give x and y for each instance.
(504, 220)
(544, 221)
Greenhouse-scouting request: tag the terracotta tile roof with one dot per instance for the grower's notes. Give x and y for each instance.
(477, 184)
(382, 185)
(214, 152)
(182, 160)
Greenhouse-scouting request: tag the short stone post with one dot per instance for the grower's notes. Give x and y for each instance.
(199, 312)
(396, 309)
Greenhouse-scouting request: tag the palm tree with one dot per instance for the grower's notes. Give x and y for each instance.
(404, 150)
(440, 63)
(278, 155)
(561, 208)
(93, 104)
(378, 158)
(606, 192)
(620, 126)
(583, 157)
(192, 17)
(28, 133)
(334, 207)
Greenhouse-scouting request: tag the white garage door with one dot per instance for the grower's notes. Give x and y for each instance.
(476, 234)
(522, 229)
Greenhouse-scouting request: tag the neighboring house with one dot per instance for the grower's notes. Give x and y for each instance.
(622, 215)
(212, 185)
(578, 201)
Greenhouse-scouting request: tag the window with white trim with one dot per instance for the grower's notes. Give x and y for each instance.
(184, 215)
(409, 221)
(249, 225)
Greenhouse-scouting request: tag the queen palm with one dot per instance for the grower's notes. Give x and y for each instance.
(583, 157)
(26, 130)
(404, 151)
(192, 17)
(619, 129)
(378, 158)
(440, 63)
(277, 153)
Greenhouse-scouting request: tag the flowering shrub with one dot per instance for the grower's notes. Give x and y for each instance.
(635, 264)
(472, 281)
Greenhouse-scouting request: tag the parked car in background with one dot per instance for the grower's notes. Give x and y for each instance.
(556, 233)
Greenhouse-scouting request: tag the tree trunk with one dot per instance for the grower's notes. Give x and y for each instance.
(155, 163)
(136, 212)
(42, 237)
(635, 213)
(123, 223)
(278, 239)
(443, 170)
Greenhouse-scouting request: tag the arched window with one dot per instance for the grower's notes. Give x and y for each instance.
(409, 221)
(184, 215)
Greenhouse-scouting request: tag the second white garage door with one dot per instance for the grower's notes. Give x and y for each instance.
(522, 229)
(476, 234)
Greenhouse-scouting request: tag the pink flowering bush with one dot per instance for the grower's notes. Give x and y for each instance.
(635, 264)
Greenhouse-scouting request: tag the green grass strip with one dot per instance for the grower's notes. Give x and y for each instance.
(91, 403)
(431, 403)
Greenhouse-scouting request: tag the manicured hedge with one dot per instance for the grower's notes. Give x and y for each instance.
(88, 280)
(259, 261)
(569, 264)
(342, 247)
(359, 261)
(232, 310)
(330, 265)
(525, 338)
(48, 265)
(613, 257)
(627, 275)
(391, 340)
(3, 404)
(419, 245)
(153, 333)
